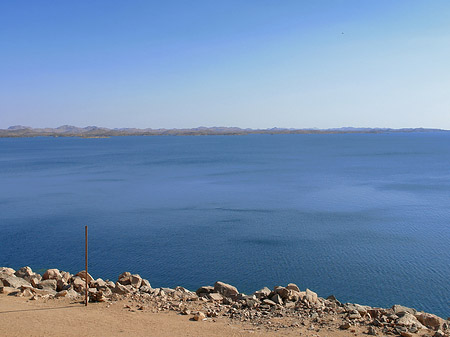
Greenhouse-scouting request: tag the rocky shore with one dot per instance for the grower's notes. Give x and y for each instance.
(283, 307)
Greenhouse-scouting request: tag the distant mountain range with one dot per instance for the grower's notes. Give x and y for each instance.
(96, 132)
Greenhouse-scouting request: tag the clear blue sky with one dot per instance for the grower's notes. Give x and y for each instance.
(256, 63)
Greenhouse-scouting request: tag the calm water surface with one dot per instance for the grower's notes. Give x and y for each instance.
(364, 217)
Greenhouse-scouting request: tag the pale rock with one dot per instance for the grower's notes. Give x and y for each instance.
(409, 319)
(78, 284)
(7, 290)
(52, 274)
(146, 283)
(429, 320)
(283, 292)
(82, 275)
(311, 296)
(66, 276)
(269, 302)
(13, 281)
(199, 316)
(7, 271)
(215, 297)
(124, 278)
(48, 284)
(122, 289)
(135, 281)
(400, 310)
(262, 293)
(293, 286)
(25, 272)
(225, 289)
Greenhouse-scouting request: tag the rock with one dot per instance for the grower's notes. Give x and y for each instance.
(283, 292)
(399, 310)
(62, 293)
(82, 275)
(13, 281)
(7, 290)
(204, 290)
(293, 286)
(277, 299)
(409, 320)
(146, 283)
(26, 292)
(125, 278)
(110, 284)
(354, 314)
(122, 289)
(429, 320)
(62, 285)
(35, 279)
(145, 289)
(439, 333)
(262, 293)
(66, 276)
(406, 334)
(199, 316)
(269, 302)
(25, 272)
(48, 284)
(135, 281)
(225, 289)
(52, 274)
(7, 271)
(345, 326)
(100, 284)
(78, 284)
(215, 297)
(311, 296)
(372, 331)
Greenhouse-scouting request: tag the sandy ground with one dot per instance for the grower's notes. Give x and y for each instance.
(63, 317)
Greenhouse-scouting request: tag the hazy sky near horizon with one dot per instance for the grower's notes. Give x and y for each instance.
(254, 63)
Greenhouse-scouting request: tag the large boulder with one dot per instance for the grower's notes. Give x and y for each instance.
(6, 270)
(52, 274)
(135, 281)
(292, 286)
(82, 275)
(311, 297)
(225, 289)
(124, 278)
(262, 293)
(430, 320)
(13, 281)
(205, 290)
(122, 289)
(400, 310)
(26, 273)
(408, 320)
(48, 284)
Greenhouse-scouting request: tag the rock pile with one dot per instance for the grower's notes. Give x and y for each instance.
(281, 307)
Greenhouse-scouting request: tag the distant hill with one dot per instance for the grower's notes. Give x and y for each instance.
(95, 131)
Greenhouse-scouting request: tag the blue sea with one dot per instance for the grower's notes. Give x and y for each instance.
(365, 217)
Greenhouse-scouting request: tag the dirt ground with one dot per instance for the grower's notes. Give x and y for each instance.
(20, 316)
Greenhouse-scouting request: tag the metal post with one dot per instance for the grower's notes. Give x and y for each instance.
(86, 266)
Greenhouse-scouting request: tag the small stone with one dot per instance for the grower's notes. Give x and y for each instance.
(199, 316)
(345, 326)
(372, 331)
(406, 334)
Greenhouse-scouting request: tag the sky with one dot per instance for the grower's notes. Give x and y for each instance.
(250, 64)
